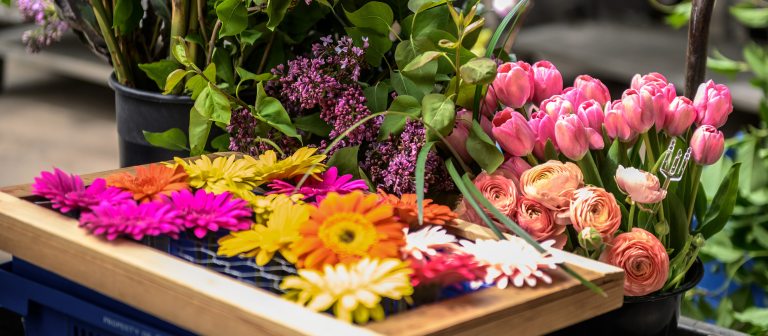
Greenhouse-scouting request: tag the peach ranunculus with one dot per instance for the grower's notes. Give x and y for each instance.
(641, 186)
(538, 221)
(499, 190)
(596, 208)
(643, 258)
(552, 184)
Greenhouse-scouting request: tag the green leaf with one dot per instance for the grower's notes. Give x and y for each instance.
(233, 15)
(346, 161)
(270, 110)
(678, 223)
(126, 16)
(159, 71)
(224, 69)
(423, 78)
(750, 16)
(250, 36)
(754, 315)
(701, 203)
(757, 59)
(180, 53)
(313, 124)
(173, 80)
(213, 105)
(276, 10)
(378, 44)
(221, 143)
(436, 18)
(761, 235)
(724, 65)
(421, 163)
(480, 71)
(417, 6)
(422, 59)
(210, 72)
(722, 204)
(172, 139)
(482, 149)
(407, 87)
(374, 15)
(394, 123)
(247, 75)
(679, 16)
(377, 96)
(439, 113)
(199, 127)
(5, 2)
(195, 85)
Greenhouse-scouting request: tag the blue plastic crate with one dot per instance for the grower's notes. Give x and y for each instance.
(52, 305)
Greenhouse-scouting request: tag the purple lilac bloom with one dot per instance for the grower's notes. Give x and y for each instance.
(67, 192)
(391, 163)
(132, 220)
(203, 212)
(318, 189)
(50, 27)
(243, 138)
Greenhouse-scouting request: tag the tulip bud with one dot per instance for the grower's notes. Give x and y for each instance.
(490, 104)
(543, 125)
(680, 116)
(651, 78)
(615, 125)
(591, 114)
(707, 145)
(638, 110)
(514, 167)
(512, 132)
(572, 137)
(556, 106)
(590, 239)
(593, 89)
(514, 84)
(547, 81)
(661, 97)
(575, 95)
(458, 137)
(713, 104)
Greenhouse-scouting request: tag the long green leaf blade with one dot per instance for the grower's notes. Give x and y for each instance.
(463, 189)
(421, 162)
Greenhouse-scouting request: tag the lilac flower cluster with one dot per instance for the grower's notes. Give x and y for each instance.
(243, 137)
(50, 26)
(391, 164)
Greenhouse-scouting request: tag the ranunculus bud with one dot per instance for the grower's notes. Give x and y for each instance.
(713, 104)
(596, 208)
(556, 106)
(500, 190)
(593, 88)
(590, 239)
(615, 124)
(707, 145)
(458, 137)
(638, 110)
(575, 95)
(543, 125)
(514, 84)
(651, 78)
(680, 116)
(591, 114)
(537, 220)
(547, 81)
(552, 184)
(512, 132)
(572, 137)
(642, 257)
(490, 104)
(514, 167)
(641, 186)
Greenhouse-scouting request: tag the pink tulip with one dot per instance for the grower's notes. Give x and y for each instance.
(547, 81)
(487, 127)
(572, 137)
(707, 144)
(661, 96)
(615, 125)
(651, 78)
(490, 104)
(543, 125)
(680, 116)
(458, 137)
(593, 89)
(556, 106)
(591, 114)
(514, 84)
(575, 96)
(638, 110)
(512, 132)
(514, 167)
(713, 104)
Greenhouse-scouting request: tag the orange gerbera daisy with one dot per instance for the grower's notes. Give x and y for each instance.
(150, 182)
(407, 211)
(346, 228)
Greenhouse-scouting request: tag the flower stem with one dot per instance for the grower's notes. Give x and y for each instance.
(589, 169)
(649, 150)
(118, 58)
(696, 171)
(631, 219)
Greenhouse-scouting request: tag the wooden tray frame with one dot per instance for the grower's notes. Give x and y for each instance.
(208, 303)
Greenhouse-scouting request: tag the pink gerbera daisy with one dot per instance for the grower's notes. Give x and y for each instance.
(67, 192)
(447, 269)
(329, 182)
(203, 211)
(131, 219)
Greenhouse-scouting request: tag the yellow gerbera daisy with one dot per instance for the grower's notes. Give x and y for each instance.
(222, 174)
(262, 205)
(262, 241)
(354, 290)
(268, 168)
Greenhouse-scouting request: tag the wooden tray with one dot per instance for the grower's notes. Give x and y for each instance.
(208, 303)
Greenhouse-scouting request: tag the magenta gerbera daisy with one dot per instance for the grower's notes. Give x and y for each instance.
(131, 219)
(67, 192)
(203, 211)
(316, 190)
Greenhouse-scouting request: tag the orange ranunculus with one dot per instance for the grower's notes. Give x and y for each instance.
(552, 184)
(150, 182)
(538, 221)
(346, 228)
(643, 258)
(407, 211)
(596, 208)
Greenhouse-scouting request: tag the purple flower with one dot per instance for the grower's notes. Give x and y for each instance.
(243, 128)
(318, 189)
(131, 219)
(67, 192)
(50, 27)
(203, 211)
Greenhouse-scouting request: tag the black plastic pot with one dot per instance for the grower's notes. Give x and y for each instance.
(650, 315)
(138, 111)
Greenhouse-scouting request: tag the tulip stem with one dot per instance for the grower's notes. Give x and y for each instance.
(696, 171)
(631, 219)
(589, 169)
(649, 150)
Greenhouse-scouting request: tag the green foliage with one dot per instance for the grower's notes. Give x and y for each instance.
(482, 149)
(173, 139)
(346, 161)
(269, 110)
(393, 123)
(276, 10)
(233, 16)
(372, 21)
(313, 124)
(722, 205)
(479, 71)
(439, 113)
(750, 15)
(377, 96)
(126, 16)
(159, 71)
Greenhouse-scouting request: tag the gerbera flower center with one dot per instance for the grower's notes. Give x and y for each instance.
(348, 233)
